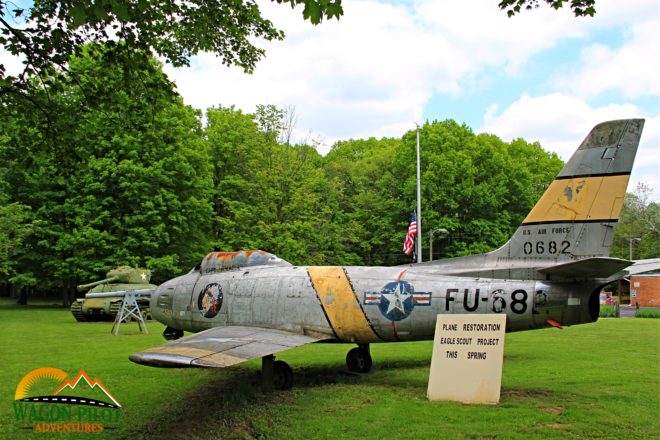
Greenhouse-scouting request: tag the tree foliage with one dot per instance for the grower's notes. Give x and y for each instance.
(47, 33)
(638, 232)
(126, 174)
(580, 8)
(15, 227)
(477, 187)
(119, 177)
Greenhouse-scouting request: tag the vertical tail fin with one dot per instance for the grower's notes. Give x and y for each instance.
(576, 215)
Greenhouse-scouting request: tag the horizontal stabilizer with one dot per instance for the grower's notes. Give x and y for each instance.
(642, 266)
(220, 347)
(598, 267)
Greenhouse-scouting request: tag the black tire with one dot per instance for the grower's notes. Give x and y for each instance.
(282, 376)
(358, 360)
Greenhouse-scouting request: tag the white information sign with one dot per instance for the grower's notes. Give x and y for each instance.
(468, 351)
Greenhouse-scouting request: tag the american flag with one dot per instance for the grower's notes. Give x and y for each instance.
(409, 242)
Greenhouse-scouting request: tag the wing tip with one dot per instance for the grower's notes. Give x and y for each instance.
(161, 360)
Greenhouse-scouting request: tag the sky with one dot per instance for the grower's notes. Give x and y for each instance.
(543, 75)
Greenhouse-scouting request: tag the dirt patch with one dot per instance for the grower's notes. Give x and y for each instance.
(523, 393)
(556, 426)
(555, 410)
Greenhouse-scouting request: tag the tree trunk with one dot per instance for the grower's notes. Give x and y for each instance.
(69, 293)
(23, 296)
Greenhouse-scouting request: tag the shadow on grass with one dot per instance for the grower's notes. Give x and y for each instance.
(211, 407)
(8, 305)
(222, 406)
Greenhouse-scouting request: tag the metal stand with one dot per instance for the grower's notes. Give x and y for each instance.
(129, 309)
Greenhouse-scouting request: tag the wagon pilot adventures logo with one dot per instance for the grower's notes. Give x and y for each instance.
(48, 400)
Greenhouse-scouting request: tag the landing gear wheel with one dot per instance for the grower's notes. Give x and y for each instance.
(172, 334)
(282, 375)
(358, 360)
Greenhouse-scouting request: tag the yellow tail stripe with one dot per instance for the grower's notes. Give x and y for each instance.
(581, 199)
(341, 305)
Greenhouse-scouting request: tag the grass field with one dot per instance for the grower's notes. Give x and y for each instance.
(592, 381)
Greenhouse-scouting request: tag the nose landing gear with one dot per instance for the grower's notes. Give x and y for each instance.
(358, 359)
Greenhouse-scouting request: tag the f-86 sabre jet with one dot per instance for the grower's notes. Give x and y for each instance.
(251, 304)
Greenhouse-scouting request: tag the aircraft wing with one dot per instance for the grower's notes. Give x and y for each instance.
(597, 267)
(642, 266)
(220, 347)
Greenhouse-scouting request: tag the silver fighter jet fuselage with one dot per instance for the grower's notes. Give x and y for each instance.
(252, 304)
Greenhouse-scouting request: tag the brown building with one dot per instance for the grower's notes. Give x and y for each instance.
(645, 290)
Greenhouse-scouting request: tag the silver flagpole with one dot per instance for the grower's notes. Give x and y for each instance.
(419, 206)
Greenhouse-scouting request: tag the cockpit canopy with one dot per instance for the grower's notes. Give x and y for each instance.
(221, 261)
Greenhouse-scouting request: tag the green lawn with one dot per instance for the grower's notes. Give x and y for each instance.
(592, 381)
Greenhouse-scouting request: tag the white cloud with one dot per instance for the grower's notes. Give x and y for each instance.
(353, 78)
(376, 68)
(489, 38)
(627, 69)
(373, 72)
(560, 123)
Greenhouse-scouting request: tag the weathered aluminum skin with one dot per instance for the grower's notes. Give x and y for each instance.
(221, 347)
(289, 299)
(605, 150)
(549, 273)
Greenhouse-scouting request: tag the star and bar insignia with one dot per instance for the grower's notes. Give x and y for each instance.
(397, 299)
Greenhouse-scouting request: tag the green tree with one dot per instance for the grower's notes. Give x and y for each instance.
(234, 148)
(15, 227)
(268, 195)
(121, 177)
(47, 33)
(580, 8)
(638, 229)
(477, 187)
(15, 222)
(372, 213)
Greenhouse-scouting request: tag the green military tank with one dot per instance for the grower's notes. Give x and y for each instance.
(117, 280)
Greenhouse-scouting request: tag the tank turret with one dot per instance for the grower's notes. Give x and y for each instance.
(119, 279)
(122, 274)
(83, 287)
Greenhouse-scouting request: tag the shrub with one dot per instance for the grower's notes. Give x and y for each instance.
(647, 313)
(607, 311)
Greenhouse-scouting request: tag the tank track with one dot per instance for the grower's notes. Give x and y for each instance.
(76, 311)
(115, 307)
